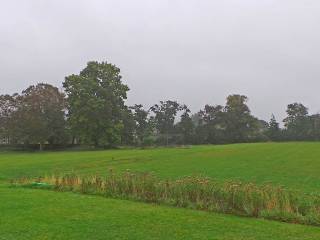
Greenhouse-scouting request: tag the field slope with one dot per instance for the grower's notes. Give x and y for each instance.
(40, 214)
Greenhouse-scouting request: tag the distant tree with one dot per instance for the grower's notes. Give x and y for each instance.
(295, 111)
(142, 128)
(165, 115)
(273, 131)
(7, 108)
(186, 126)
(259, 130)
(297, 122)
(211, 127)
(39, 116)
(129, 127)
(96, 104)
(241, 126)
(315, 127)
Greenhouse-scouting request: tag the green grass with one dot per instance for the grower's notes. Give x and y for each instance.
(241, 199)
(40, 214)
(294, 165)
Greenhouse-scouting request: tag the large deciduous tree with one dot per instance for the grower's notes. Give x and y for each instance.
(38, 116)
(241, 126)
(96, 104)
(212, 125)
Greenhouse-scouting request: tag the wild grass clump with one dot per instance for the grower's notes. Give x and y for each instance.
(245, 199)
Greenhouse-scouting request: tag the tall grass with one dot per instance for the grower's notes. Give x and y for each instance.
(245, 199)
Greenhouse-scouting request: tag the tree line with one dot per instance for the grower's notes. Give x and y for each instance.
(91, 110)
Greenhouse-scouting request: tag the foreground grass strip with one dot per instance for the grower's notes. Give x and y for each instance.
(37, 215)
(243, 199)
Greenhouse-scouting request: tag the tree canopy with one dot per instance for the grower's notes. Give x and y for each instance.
(92, 110)
(96, 104)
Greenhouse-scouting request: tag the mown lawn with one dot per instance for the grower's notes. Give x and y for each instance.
(41, 214)
(294, 165)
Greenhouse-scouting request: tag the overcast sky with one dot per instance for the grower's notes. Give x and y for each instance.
(192, 51)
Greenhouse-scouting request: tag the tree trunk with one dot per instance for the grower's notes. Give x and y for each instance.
(40, 146)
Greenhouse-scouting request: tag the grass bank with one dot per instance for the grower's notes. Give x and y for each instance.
(244, 199)
(39, 214)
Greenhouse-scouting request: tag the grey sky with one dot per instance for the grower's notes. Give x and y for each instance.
(193, 51)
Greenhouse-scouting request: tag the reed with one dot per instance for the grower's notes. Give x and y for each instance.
(196, 192)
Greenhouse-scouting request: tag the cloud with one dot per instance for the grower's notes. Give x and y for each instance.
(196, 52)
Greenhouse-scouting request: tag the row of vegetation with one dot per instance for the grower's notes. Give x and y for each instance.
(91, 110)
(244, 199)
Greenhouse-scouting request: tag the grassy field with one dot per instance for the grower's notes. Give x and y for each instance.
(294, 165)
(40, 214)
